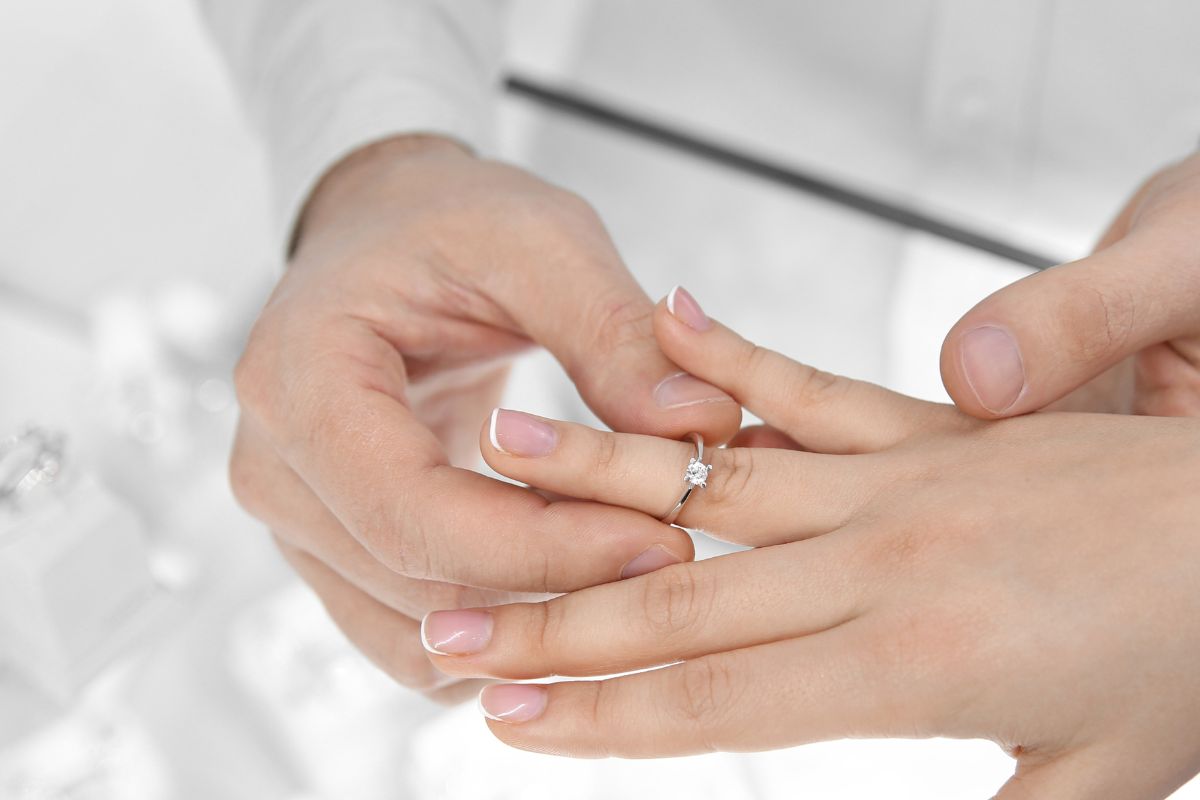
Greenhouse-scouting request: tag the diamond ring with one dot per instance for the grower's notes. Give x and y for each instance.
(695, 476)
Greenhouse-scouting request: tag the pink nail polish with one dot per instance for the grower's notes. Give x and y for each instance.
(684, 308)
(652, 558)
(520, 434)
(992, 365)
(513, 702)
(456, 633)
(682, 389)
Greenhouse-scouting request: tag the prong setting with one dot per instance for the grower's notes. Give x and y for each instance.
(697, 473)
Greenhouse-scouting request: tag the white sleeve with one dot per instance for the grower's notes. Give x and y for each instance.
(322, 78)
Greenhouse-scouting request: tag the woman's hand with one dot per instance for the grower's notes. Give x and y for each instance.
(1035, 581)
(1117, 331)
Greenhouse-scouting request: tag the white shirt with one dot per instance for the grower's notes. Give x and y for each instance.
(1030, 119)
(1034, 99)
(322, 78)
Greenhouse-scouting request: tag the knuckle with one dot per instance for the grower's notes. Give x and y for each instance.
(250, 374)
(600, 708)
(606, 453)
(675, 601)
(566, 225)
(753, 359)
(547, 619)
(571, 207)
(899, 550)
(621, 321)
(731, 485)
(905, 552)
(246, 480)
(812, 387)
(707, 690)
(1097, 321)
(400, 530)
(399, 536)
(545, 204)
(405, 550)
(801, 383)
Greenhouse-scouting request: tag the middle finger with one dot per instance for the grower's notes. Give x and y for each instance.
(679, 612)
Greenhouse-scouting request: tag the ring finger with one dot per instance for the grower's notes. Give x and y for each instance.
(757, 496)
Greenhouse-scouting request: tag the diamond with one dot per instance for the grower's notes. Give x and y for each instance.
(697, 473)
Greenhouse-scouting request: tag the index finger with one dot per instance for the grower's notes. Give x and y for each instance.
(821, 411)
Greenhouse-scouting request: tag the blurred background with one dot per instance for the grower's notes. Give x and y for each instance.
(152, 644)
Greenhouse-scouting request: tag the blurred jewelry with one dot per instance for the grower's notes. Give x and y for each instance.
(695, 475)
(28, 459)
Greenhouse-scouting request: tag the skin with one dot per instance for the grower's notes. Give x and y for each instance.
(419, 271)
(905, 581)
(1118, 331)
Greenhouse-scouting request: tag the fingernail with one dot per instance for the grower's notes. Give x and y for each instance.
(513, 702)
(652, 558)
(520, 434)
(684, 308)
(456, 633)
(681, 389)
(992, 365)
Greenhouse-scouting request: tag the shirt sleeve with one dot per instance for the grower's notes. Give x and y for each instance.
(322, 78)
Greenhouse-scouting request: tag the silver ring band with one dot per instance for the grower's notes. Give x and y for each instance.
(695, 475)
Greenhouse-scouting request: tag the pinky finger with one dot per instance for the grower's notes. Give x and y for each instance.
(775, 695)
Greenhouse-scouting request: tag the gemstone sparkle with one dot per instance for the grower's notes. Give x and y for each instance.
(697, 473)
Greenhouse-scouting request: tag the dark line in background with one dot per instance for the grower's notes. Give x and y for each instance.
(61, 313)
(577, 105)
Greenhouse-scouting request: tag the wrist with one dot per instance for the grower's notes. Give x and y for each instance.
(349, 176)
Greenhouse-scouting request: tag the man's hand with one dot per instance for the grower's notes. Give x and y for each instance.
(419, 270)
(1118, 331)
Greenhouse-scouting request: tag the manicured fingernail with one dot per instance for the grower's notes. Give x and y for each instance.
(684, 308)
(513, 702)
(652, 558)
(992, 365)
(456, 633)
(520, 434)
(681, 389)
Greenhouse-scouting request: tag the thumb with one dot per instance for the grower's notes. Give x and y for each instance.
(1035, 341)
(598, 322)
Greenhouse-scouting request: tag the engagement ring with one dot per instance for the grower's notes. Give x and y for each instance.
(695, 475)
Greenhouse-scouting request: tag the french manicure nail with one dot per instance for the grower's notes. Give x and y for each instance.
(684, 308)
(682, 389)
(513, 702)
(521, 434)
(456, 633)
(652, 558)
(992, 365)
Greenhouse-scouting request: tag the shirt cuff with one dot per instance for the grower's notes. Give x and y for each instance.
(365, 113)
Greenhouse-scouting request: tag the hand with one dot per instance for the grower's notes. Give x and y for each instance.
(921, 573)
(1118, 331)
(419, 271)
